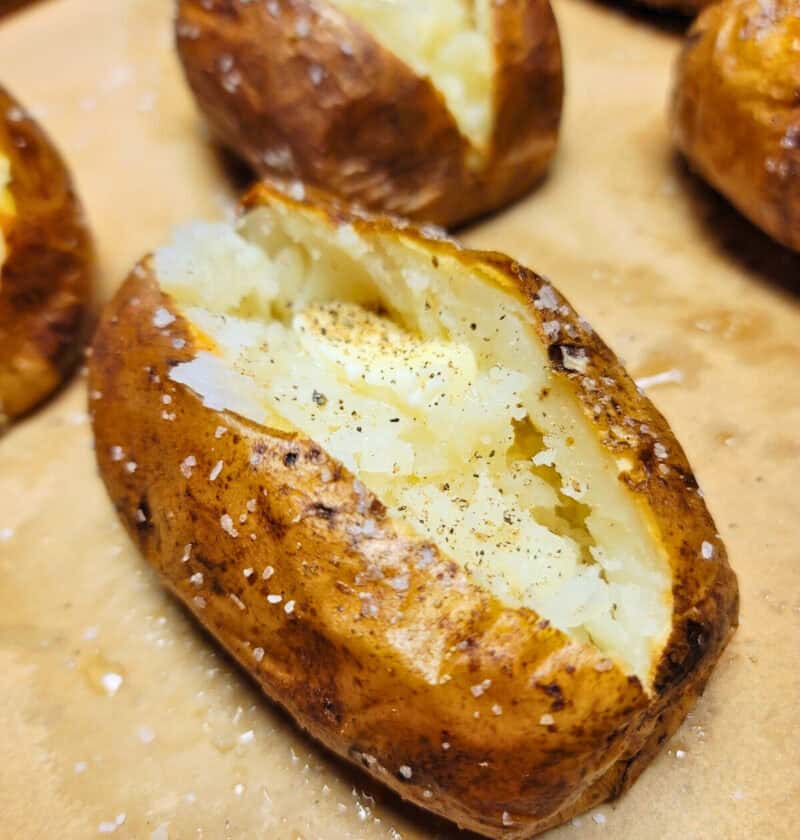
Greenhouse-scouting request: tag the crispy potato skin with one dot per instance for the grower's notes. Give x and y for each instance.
(736, 109)
(382, 677)
(372, 131)
(45, 285)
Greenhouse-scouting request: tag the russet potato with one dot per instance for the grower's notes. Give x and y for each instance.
(420, 502)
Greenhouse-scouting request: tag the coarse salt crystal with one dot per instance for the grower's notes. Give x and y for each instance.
(117, 453)
(258, 654)
(680, 754)
(546, 720)
(219, 432)
(660, 451)
(405, 771)
(111, 683)
(546, 298)
(237, 600)
(130, 467)
(289, 607)
(506, 819)
(316, 74)
(248, 571)
(199, 601)
(162, 318)
(251, 505)
(707, 550)
(196, 579)
(226, 523)
(600, 819)
(267, 573)
(497, 709)
(399, 583)
(216, 470)
(552, 329)
(187, 465)
(274, 599)
(574, 359)
(166, 399)
(478, 689)
(247, 737)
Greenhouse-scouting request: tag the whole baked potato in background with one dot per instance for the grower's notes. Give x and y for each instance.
(736, 109)
(45, 264)
(439, 112)
(503, 625)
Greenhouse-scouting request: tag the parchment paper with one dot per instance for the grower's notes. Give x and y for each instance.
(184, 746)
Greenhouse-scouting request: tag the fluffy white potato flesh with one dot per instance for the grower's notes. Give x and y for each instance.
(427, 381)
(449, 41)
(7, 208)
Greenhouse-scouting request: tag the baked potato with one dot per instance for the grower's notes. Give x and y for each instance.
(45, 264)
(438, 112)
(736, 111)
(420, 502)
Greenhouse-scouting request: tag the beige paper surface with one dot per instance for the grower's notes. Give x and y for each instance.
(673, 279)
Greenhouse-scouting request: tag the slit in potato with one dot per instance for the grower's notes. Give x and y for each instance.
(448, 41)
(429, 384)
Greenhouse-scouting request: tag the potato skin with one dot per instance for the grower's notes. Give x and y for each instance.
(736, 111)
(45, 285)
(372, 131)
(381, 677)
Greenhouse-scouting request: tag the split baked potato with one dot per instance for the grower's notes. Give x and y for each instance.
(420, 502)
(434, 111)
(45, 264)
(736, 109)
